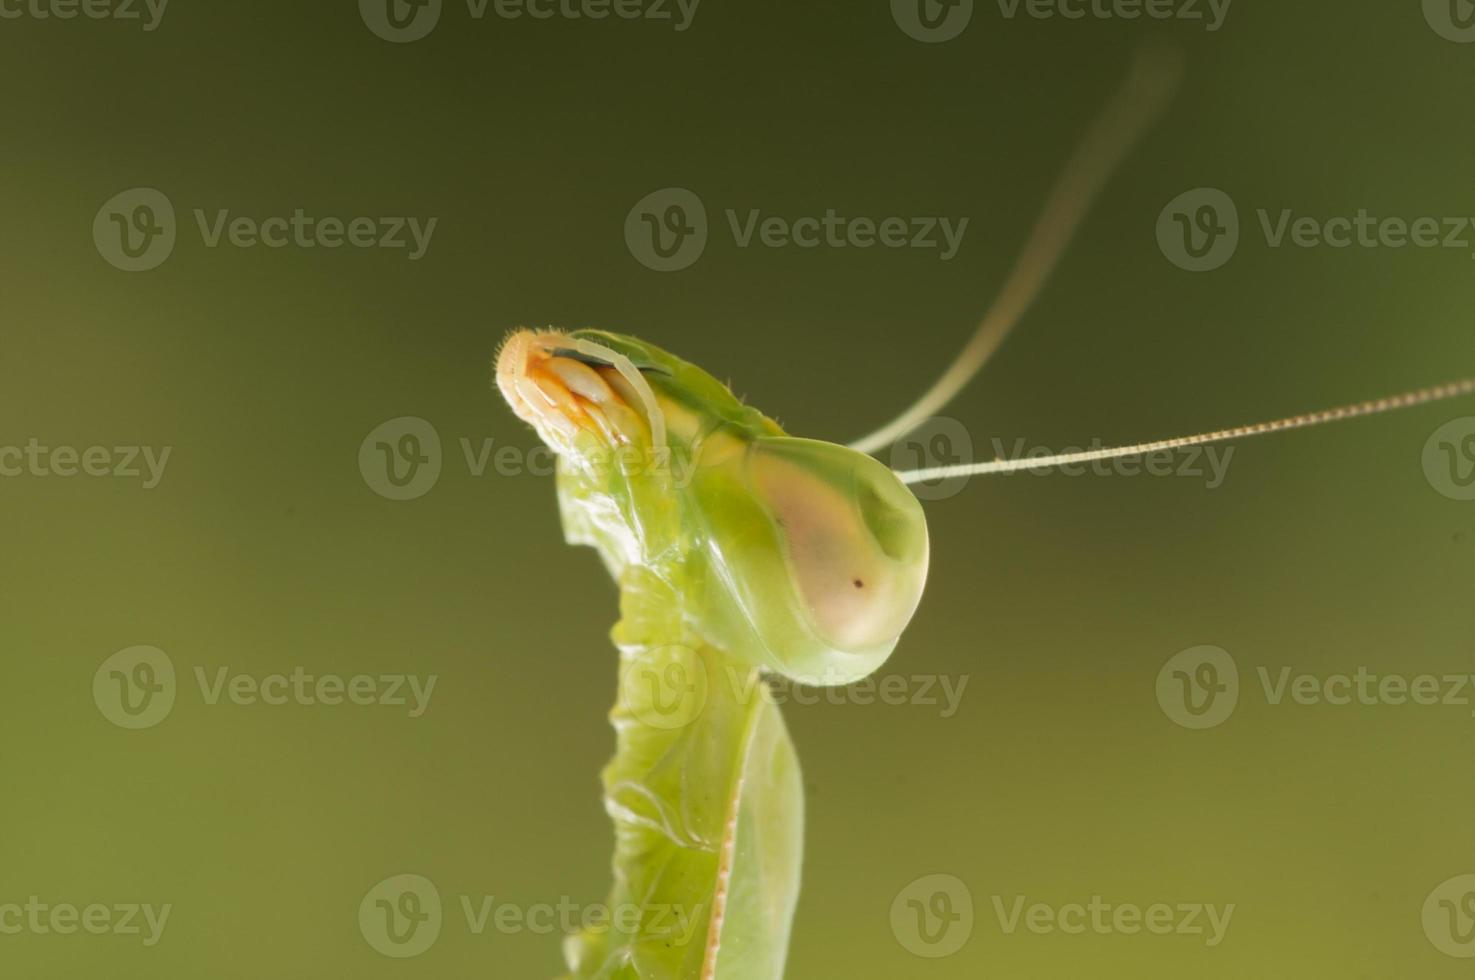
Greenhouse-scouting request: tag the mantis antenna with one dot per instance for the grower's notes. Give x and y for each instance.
(1140, 100)
(1132, 110)
(1422, 397)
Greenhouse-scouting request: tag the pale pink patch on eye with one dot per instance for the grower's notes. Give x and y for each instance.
(854, 593)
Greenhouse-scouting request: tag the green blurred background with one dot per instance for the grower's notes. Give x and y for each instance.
(1059, 777)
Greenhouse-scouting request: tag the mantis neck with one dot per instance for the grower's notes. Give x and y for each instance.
(706, 799)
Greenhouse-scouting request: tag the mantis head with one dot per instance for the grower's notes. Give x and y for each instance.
(798, 556)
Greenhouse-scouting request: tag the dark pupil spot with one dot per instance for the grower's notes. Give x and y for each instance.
(859, 584)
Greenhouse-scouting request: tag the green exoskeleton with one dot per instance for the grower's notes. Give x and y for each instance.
(742, 552)
(739, 550)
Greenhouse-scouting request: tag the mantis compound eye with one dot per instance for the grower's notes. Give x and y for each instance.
(853, 538)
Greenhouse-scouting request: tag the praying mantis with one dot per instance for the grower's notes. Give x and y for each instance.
(741, 553)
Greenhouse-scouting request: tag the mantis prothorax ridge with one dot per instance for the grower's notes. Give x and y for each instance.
(741, 553)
